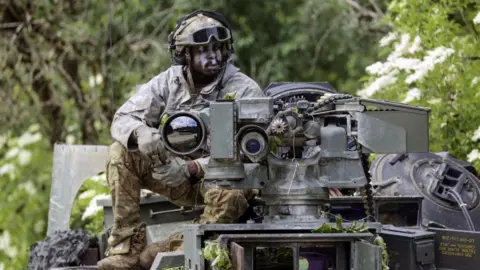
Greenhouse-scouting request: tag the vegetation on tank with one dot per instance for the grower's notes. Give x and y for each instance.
(219, 258)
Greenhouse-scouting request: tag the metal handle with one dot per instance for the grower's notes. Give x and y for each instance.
(181, 210)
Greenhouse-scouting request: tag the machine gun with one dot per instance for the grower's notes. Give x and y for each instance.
(293, 151)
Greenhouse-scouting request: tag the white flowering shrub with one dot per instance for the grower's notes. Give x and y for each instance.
(25, 173)
(431, 58)
(25, 179)
(86, 213)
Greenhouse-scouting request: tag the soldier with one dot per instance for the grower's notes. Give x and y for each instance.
(201, 46)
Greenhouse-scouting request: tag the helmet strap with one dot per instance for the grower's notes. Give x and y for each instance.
(191, 84)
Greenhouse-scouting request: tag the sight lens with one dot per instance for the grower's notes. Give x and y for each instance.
(253, 146)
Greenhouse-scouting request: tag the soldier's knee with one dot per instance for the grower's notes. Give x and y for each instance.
(118, 153)
(224, 206)
(231, 197)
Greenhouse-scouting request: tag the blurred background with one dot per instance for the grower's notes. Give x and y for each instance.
(66, 66)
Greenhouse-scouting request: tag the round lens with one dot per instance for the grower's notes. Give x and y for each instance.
(183, 134)
(253, 146)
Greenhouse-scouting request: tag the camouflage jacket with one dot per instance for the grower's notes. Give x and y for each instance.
(167, 92)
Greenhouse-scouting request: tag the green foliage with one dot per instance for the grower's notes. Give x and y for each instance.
(431, 58)
(339, 228)
(25, 168)
(218, 255)
(230, 96)
(355, 228)
(381, 243)
(86, 213)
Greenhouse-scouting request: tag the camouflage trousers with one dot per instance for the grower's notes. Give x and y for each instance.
(129, 172)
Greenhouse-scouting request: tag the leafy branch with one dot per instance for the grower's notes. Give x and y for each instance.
(355, 228)
(218, 255)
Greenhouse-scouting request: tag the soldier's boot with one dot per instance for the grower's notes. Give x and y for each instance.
(126, 254)
(173, 243)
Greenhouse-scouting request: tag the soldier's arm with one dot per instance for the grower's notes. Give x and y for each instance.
(248, 88)
(243, 86)
(143, 108)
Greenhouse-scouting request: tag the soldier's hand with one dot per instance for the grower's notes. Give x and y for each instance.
(174, 173)
(150, 143)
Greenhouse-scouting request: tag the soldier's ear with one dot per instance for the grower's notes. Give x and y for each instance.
(179, 57)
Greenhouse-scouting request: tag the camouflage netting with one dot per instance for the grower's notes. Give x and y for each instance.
(61, 249)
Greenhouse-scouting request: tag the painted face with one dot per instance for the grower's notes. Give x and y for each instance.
(207, 59)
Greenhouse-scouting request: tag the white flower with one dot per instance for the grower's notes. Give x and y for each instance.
(378, 84)
(377, 68)
(5, 246)
(400, 48)
(28, 138)
(474, 155)
(70, 139)
(93, 207)
(95, 80)
(12, 153)
(99, 79)
(91, 81)
(4, 240)
(2, 266)
(449, 78)
(86, 194)
(475, 81)
(386, 40)
(7, 169)
(406, 63)
(34, 128)
(39, 226)
(476, 20)
(476, 135)
(11, 252)
(412, 94)
(433, 57)
(29, 187)
(415, 45)
(24, 157)
(100, 177)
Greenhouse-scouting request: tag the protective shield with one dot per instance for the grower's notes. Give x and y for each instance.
(72, 165)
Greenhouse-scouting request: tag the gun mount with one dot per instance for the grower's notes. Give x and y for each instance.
(294, 145)
(295, 150)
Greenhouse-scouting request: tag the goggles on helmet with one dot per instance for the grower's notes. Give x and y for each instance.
(203, 36)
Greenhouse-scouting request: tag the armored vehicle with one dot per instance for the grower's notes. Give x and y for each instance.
(409, 209)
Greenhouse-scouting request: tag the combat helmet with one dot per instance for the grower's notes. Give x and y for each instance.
(199, 28)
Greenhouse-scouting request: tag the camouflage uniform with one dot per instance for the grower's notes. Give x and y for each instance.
(128, 170)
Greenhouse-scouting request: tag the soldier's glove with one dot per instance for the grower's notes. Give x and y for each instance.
(150, 143)
(174, 173)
